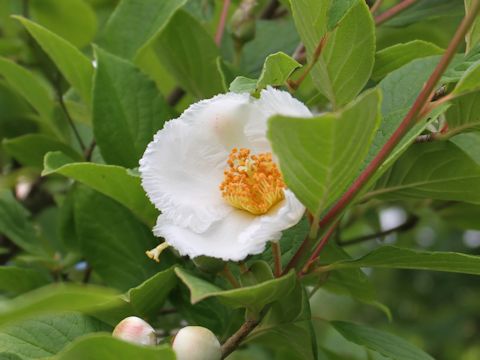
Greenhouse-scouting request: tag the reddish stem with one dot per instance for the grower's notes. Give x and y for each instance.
(222, 22)
(294, 84)
(393, 11)
(376, 6)
(409, 120)
(277, 258)
(319, 248)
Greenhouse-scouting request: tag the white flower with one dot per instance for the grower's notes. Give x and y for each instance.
(135, 330)
(196, 343)
(212, 175)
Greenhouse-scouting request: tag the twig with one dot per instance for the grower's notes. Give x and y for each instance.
(300, 53)
(67, 114)
(376, 6)
(222, 22)
(229, 276)
(319, 248)
(277, 258)
(243, 267)
(393, 11)
(89, 152)
(234, 341)
(304, 246)
(409, 120)
(294, 84)
(410, 223)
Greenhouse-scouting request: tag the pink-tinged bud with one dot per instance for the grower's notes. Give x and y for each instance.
(196, 343)
(135, 330)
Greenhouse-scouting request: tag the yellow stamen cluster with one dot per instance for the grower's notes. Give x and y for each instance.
(252, 182)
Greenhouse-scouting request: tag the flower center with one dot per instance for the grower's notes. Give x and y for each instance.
(252, 182)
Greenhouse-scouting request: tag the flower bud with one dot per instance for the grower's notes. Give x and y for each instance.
(135, 330)
(196, 343)
(243, 22)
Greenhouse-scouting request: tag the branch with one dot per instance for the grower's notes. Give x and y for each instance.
(58, 90)
(409, 120)
(277, 258)
(320, 247)
(234, 341)
(376, 6)
(222, 22)
(89, 151)
(230, 277)
(415, 111)
(294, 84)
(393, 11)
(410, 223)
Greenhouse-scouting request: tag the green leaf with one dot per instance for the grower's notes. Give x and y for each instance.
(19, 280)
(75, 20)
(473, 36)
(338, 10)
(462, 215)
(270, 37)
(45, 336)
(147, 298)
(30, 149)
(113, 181)
(74, 66)
(286, 328)
(242, 84)
(317, 156)
(251, 297)
(113, 241)
(258, 272)
(460, 65)
(347, 60)
(55, 299)
(426, 10)
(147, 17)
(30, 87)
(396, 56)
(400, 89)
(470, 80)
(438, 170)
(127, 110)
(144, 300)
(464, 113)
(469, 143)
(189, 53)
(351, 282)
(384, 343)
(15, 223)
(391, 257)
(105, 347)
(277, 69)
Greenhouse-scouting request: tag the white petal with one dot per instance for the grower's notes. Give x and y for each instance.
(269, 227)
(272, 102)
(182, 167)
(236, 236)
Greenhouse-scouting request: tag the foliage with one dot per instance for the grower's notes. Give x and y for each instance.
(86, 84)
